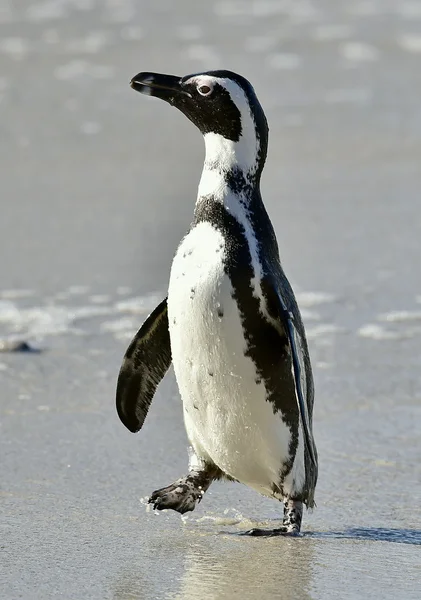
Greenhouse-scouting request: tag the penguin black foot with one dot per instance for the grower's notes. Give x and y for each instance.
(291, 524)
(255, 532)
(183, 494)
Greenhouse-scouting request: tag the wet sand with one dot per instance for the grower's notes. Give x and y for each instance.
(98, 187)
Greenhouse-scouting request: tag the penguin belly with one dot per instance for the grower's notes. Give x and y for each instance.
(227, 417)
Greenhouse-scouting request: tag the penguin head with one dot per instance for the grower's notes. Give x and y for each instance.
(224, 107)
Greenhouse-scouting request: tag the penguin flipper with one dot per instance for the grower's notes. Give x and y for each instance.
(145, 363)
(278, 309)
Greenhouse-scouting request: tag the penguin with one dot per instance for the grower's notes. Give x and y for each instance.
(230, 324)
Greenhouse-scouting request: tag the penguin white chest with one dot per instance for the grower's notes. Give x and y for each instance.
(227, 416)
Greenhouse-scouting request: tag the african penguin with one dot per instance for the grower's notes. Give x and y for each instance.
(231, 324)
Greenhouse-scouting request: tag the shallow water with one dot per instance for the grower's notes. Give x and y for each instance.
(98, 186)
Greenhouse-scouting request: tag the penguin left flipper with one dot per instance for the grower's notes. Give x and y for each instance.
(279, 310)
(145, 363)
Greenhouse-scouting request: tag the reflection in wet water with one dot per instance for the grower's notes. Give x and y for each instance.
(130, 586)
(227, 567)
(211, 565)
(249, 569)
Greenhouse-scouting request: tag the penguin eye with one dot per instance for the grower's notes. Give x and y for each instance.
(204, 90)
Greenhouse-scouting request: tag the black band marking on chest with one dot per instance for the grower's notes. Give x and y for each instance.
(266, 345)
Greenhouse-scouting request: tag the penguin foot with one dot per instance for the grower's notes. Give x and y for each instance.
(291, 524)
(180, 496)
(255, 532)
(183, 495)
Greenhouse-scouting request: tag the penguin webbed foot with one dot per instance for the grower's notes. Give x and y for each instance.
(181, 496)
(279, 531)
(291, 524)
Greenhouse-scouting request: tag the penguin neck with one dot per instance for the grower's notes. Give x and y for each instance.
(231, 169)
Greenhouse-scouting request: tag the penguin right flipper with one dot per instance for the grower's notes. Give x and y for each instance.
(286, 318)
(145, 363)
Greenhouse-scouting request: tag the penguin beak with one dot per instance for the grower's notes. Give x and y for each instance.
(166, 87)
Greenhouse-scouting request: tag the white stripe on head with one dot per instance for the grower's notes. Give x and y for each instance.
(222, 155)
(225, 153)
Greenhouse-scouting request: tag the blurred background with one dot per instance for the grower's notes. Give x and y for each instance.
(98, 186)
